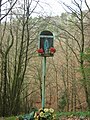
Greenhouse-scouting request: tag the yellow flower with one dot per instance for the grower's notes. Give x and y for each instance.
(41, 114)
(46, 110)
(40, 109)
(54, 116)
(35, 115)
(51, 110)
(36, 118)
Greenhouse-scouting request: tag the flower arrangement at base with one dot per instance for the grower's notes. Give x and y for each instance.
(45, 114)
(52, 50)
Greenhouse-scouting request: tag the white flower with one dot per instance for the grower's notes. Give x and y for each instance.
(35, 115)
(46, 109)
(51, 110)
(41, 114)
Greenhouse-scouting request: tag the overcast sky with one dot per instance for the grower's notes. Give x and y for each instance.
(45, 7)
(53, 7)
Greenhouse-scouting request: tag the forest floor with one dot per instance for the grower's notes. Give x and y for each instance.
(63, 118)
(74, 118)
(60, 118)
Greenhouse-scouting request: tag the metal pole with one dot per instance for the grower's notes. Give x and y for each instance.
(43, 82)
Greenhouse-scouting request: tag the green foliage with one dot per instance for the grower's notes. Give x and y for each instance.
(20, 117)
(86, 58)
(78, 114)
(61, 114)
(14, 118)
(62, 102)
(11, 118)
(86, 55)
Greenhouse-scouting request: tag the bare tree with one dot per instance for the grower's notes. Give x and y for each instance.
(18, 46)
(81, 43)
(73, 29)
(2, 16)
